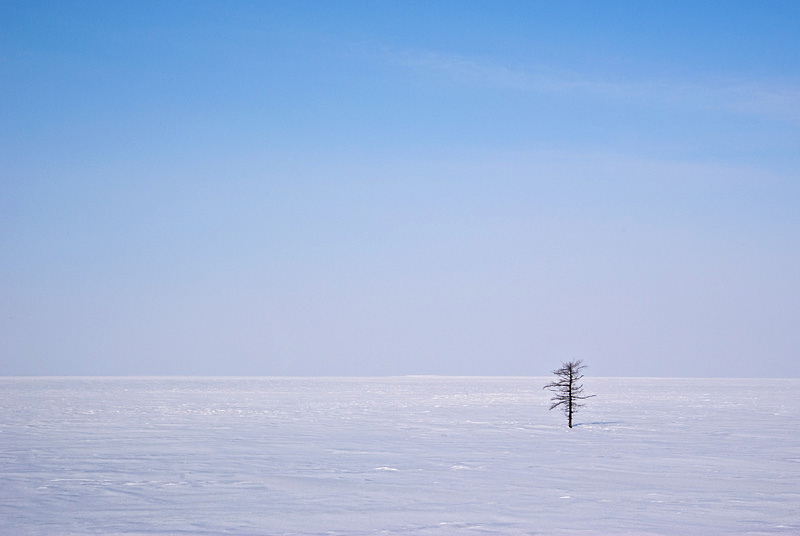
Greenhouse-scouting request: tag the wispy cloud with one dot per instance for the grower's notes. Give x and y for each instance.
(760, 98)
(481, 71)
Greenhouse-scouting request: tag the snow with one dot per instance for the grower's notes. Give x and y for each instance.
(405, 455)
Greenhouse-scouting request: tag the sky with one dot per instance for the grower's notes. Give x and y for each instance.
(399, 188)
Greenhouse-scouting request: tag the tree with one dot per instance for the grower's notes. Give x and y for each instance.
(568, 393)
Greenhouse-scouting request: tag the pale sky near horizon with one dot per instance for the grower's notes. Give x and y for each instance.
(386, 188)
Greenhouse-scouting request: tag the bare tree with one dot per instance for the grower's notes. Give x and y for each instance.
(567, 392)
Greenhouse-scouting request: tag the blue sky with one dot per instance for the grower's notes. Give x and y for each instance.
(380, 188)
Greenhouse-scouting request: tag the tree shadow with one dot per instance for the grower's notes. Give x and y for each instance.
(598, 423)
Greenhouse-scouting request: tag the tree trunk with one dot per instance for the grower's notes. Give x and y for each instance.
(570, 404)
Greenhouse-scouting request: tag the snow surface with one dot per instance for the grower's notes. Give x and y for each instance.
(408, 455)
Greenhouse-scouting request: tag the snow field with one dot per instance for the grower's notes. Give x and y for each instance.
(406, 455)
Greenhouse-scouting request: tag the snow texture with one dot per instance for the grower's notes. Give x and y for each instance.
(406, 456)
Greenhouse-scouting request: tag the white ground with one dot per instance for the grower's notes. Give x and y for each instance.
(416, 456)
